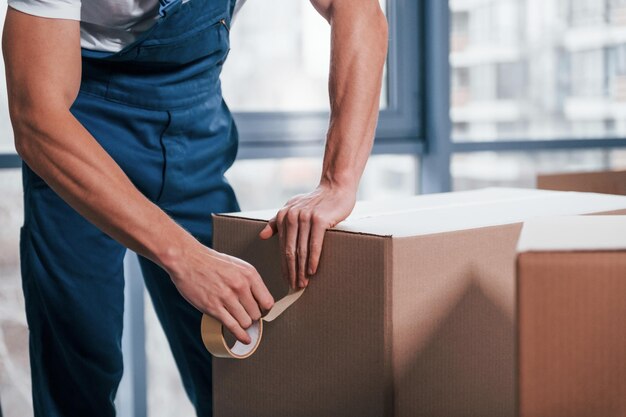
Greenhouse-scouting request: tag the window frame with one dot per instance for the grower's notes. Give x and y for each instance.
(280, 134)
(10, 160)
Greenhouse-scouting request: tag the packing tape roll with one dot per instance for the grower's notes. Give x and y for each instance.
(213, 330)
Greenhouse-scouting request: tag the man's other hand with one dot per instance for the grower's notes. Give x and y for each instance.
(301, 225)
(225, 287)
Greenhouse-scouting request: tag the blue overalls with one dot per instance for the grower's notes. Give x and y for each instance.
(156, 107)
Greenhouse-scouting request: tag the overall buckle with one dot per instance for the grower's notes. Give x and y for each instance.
(169, 7)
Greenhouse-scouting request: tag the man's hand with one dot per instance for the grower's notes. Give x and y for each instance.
(358, 52)
(301, 225)
(222, 286)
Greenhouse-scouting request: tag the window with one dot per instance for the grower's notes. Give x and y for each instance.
(275, 79)
(488, 22)
(617, 73)
(588, 75)
(460, 31)
(587, 12)
(510, 80)
(617, 12)
(279, 59)
(15, 376)
(558, 77)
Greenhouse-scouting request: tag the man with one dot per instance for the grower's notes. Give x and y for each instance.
(125, 143)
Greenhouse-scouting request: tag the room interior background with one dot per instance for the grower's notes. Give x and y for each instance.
(477, 93)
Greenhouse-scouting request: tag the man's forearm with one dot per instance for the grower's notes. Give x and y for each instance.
(358, 53)
(88, 179)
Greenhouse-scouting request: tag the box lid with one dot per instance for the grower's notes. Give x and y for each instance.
(446, 212)
(573, 233)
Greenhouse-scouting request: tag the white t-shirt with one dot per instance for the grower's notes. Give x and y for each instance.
(106, 25)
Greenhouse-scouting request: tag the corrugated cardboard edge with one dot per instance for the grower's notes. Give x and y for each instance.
(517, 398)
(606, 213)
(390, 395)
(260, 221)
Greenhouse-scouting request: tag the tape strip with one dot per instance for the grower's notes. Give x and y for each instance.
(213, 331)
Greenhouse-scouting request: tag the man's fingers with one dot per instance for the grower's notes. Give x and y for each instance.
(316, 240)
(260, 292)
(290, 231)
(302, 251)
(249, 303)
(236, 310)
(233, 326)
(281, 243)
(269, 230)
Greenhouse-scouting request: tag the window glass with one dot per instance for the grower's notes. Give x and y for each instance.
(520, 169)
(6, 132)
(537, 69)
(165, 393)
(276, 180)
(15, 375)
(279, 58)
(587, 12)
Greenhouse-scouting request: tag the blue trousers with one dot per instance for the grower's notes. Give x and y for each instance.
(161, 116)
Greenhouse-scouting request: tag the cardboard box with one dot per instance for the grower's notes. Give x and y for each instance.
(572, 317)
(607, 182)
(410, 314)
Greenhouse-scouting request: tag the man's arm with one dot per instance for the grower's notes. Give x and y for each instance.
(358, 53)
(43, 66)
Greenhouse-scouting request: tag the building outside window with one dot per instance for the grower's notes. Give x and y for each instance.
(557, 79)
(587, 12)
(617, 12)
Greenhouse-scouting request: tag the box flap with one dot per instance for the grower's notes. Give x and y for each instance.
(438, 213)
(573, 233)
